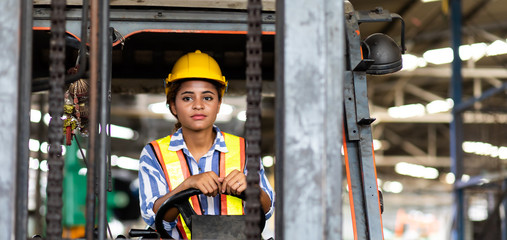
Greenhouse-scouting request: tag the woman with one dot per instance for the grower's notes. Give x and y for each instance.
(198, 155)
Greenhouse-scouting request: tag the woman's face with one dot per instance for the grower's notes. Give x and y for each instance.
(196, 105)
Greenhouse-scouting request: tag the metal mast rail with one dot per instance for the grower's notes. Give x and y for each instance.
(365, 198)
(56, 96)
(253, 122)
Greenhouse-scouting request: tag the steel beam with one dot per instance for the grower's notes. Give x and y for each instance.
(267, 5)
(310, 45)
(441, 72)
(10, 16)
(129, 21)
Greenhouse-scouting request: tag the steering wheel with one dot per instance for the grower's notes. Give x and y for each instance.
(180, 201)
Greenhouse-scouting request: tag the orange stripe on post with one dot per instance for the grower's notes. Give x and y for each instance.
(351, 196)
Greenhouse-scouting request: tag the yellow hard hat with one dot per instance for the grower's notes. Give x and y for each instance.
(196, 65)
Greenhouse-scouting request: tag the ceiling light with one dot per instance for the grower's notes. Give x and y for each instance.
(496, 48)
(439, 56)
(485, 149)
(478, 208)
(114, 160)
(415, 170)
(268, 161)
(466, 52)
(35, 116)
(406, 111)
(33, 145)
(44, 166)
(465, 177)
(241, 116)
(392, 186)
(128, 163)
(450, 178)
(46, 119)
(44, 148)
(377, 144)
(426, 1)
(411, 62)
(123, 132)
(34, 163)
(439, 106)
(159, 107)
(473, 51)
(225, 114)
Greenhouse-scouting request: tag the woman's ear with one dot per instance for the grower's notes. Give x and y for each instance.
(219, 105)
(172, 108)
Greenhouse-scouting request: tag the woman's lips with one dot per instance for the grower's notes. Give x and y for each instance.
(198, 116)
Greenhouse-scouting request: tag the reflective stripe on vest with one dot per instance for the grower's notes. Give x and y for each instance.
(228, 162)
(176, 171)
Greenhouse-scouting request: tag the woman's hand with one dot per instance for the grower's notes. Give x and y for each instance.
(234, 183)
(208, 183)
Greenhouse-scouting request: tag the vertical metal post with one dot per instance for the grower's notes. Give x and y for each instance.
(10, 28)
(105, 51)
(456, 125)
(310, 70)
(24, 89)
(279, 119)
(93, 126)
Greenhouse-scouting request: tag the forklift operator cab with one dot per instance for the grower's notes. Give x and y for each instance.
(201, 226)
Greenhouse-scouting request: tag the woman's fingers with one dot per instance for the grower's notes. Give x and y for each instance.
(226, 182)
(210, 184)
(207, 182)
(234, 183)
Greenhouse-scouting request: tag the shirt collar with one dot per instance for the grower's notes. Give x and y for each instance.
(178, 143)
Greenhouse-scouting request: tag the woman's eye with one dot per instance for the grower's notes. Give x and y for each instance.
(186, 99)
(208, 98)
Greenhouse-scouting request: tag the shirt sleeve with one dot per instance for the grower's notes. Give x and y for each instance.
(152, 185)
(266, 187)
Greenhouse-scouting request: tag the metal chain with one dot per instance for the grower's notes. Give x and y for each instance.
(55, 136)
(253, 122)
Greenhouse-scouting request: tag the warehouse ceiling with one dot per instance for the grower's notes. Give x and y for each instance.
(144, 54)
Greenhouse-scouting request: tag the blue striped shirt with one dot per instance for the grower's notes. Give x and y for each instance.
(153, 184)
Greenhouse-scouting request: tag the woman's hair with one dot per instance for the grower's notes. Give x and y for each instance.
(175, 87)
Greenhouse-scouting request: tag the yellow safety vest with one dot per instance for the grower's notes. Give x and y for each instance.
(176, 171)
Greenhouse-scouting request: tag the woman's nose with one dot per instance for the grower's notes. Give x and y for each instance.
(198, 104)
